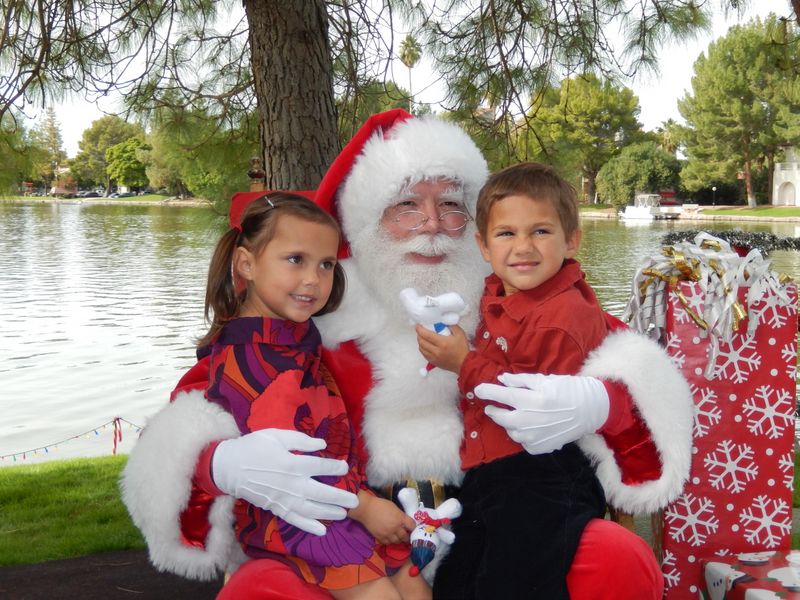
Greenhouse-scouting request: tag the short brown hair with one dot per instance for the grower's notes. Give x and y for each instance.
(534, 180)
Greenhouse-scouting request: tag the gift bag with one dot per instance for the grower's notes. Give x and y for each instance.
(730, 325)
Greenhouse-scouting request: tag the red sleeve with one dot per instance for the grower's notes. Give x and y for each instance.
(194, 523)
(628, 437)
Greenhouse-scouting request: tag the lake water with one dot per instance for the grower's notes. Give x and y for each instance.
(99, 307)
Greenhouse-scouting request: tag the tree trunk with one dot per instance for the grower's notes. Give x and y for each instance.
(293, 74)
(770, 176)
(748, 184)
(591, 187)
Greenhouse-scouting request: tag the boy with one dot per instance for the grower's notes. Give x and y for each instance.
(538, 314)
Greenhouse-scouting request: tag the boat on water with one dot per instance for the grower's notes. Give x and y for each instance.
(650, 207)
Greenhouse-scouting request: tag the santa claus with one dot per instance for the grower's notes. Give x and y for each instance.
(404, 189)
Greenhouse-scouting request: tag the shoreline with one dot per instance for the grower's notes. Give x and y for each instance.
(608, 213)
(171, 201)
(693, 216)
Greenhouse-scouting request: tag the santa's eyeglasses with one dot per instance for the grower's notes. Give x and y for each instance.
(452, 220)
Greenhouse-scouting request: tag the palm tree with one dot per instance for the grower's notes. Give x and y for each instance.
(410, 53)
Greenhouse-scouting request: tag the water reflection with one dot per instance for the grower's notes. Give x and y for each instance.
(98, 310)
(99, 307)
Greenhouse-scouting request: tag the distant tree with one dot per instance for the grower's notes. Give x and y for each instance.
(590, 121)
(124, 164)
(49, 155)
(669, 135)
(410, 53)
(15, 155)
(89, 165)
(741, 107)
(638, 168)
(191, 154)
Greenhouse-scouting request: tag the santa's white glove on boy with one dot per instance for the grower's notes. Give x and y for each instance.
(549, 411)
(260, 468)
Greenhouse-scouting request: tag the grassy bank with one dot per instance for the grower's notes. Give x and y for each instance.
(63, 509)
(69, 508)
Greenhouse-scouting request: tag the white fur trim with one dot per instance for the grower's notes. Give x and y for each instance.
(359, 315)
(664, 401)
(157, 481)
(412, 150)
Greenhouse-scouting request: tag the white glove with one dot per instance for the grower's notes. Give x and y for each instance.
(259, 468)
(549, 410)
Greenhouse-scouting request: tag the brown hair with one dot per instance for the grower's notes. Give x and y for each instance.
(258, 224)
(534, 180)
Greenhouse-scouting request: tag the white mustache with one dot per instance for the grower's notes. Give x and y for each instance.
(429, 245)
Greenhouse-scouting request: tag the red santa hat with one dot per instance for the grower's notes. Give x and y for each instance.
(390, 150)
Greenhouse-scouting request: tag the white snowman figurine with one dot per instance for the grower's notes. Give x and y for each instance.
(430, 532)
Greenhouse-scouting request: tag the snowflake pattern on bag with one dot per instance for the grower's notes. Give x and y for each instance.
(739, 495)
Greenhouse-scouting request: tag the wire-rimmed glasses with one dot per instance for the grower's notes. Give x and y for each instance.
(451, 220)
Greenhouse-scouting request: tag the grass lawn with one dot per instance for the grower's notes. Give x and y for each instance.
(759, 211)
(63, 509)
(69, 508)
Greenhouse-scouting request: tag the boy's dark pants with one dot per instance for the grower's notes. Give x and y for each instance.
(522, 521)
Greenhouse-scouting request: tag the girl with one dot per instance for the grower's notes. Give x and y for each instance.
(266, 280)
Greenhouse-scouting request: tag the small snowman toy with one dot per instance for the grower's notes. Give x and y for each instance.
(429, 533)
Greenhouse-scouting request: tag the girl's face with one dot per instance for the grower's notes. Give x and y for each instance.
(525, 242)
(292, 277)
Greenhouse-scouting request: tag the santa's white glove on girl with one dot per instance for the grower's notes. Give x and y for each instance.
(260, 468)
(549, 411)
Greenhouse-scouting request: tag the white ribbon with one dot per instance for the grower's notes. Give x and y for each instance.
(719, 274)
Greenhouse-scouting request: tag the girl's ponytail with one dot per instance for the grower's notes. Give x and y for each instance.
(222, 300)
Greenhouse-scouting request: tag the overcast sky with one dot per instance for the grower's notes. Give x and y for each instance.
(658, 95)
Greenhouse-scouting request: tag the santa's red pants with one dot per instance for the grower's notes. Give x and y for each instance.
(607, 553)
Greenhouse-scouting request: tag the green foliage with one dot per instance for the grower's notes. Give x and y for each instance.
(374, 97)
(584, 123)
(89, 166)
(16, 154)
(743, 105)
(191, 152)
(123, 163)
(62, 509)
(48, 154)
(639, 168)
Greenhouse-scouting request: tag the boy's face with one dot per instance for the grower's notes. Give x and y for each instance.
(525, 242)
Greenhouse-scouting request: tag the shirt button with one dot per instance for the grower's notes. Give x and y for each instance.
(470, 395)
(473, 434)
(486, 335)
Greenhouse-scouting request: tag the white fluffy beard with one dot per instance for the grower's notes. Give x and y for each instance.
(380, 263)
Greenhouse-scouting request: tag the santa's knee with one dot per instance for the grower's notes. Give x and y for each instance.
(609, 552)
(269, 580)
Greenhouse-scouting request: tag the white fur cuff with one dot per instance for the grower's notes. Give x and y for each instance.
(157, 482)
(664, 401)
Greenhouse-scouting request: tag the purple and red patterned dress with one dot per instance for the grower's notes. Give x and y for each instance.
(268, 374)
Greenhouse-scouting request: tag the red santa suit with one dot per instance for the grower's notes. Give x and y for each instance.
(411, 425)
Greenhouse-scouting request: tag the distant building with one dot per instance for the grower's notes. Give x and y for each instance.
(786, 180)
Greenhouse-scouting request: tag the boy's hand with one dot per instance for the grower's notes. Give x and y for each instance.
(383, 519)
(444, 351)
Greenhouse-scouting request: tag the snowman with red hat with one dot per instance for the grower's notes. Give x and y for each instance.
(404, 190)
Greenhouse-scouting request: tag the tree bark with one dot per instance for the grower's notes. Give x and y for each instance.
(293, 73)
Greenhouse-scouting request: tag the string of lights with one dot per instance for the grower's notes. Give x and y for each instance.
(116, 423)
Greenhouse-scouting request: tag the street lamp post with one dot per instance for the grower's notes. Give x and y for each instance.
(713, 195)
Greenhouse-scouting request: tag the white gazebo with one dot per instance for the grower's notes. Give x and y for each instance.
(786, 181)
